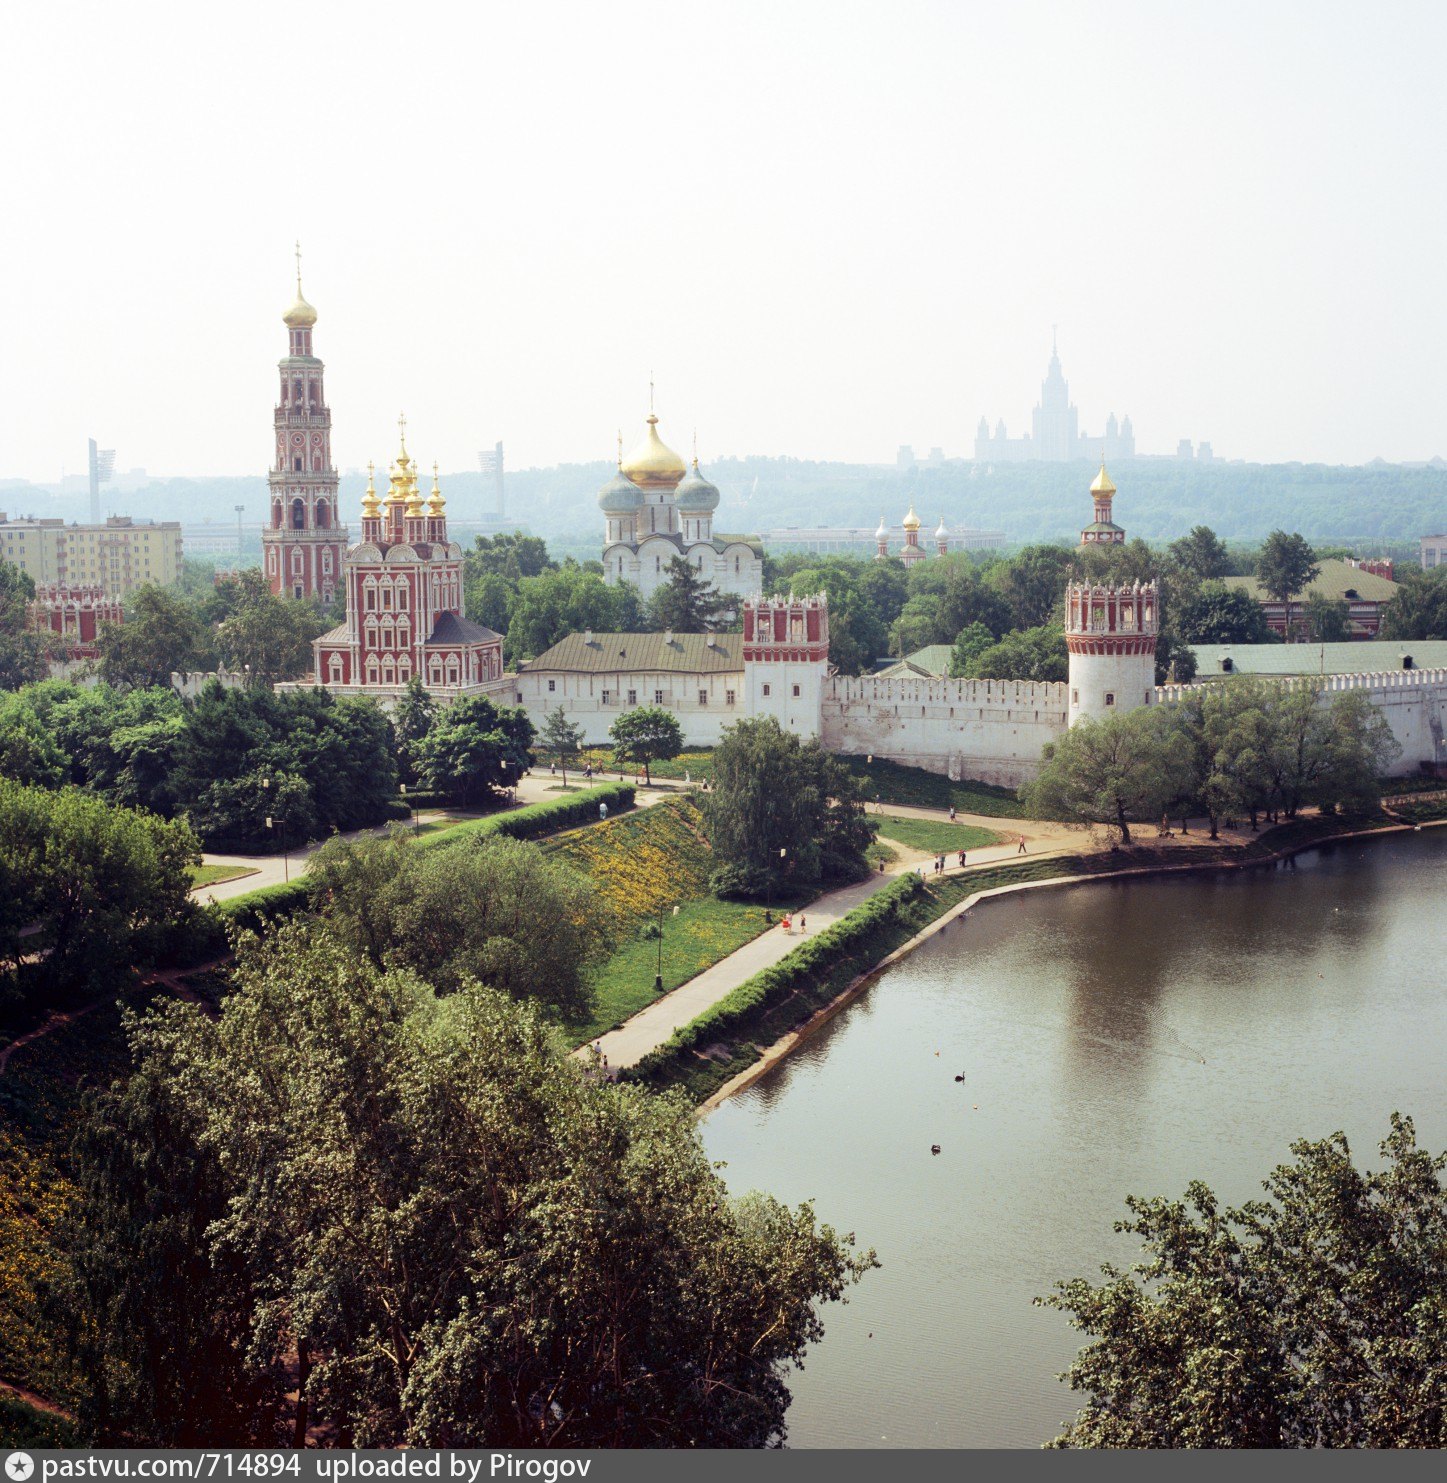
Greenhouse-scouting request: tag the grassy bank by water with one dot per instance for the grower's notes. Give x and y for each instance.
(938, 836)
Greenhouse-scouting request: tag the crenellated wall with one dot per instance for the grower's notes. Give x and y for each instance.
(992, 730)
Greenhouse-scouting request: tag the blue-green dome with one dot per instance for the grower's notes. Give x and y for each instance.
(695, 495)
(620, 496)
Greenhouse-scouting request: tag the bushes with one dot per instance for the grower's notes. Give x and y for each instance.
(540, 818)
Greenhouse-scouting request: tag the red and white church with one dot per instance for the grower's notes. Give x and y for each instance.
(403, 584)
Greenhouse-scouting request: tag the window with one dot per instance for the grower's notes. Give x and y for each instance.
(607, 696)
(796, 692)
(703, 697)
(632, 697)
(658, 697)
(297, 592)
(728, 697)
(552, 685)
(1110, 697)
(1075, 697)
(766, 690)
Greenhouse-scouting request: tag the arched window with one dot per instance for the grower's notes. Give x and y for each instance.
(297, 559)
(403, 593)
(369, 595)
(327, 560)
(371, 669)
(336, 669)
(404, 668)
(276, 514)
(298, 514)
(296, 464)
(389, 673)
(324, 515)
(436, 671)
(404, 634)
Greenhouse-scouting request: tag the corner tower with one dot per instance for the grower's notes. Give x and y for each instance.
(302, 540)
(786, 660)
(1111, 634)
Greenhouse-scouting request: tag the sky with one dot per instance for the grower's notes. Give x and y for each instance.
(824, 229)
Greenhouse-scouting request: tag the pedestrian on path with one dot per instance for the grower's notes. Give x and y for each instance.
(1021, 850)
(803, 924)
(952, 813)
(962, 859)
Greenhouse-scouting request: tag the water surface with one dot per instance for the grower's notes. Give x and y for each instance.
(1115, 1039)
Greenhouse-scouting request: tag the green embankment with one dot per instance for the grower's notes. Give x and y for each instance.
(938, 836)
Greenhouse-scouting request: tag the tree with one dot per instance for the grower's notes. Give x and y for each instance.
(1312, 1318)
(1033, 583)
(1419, 610)
(1126, 766)
(686, 603)
(1285, 566)
(564, 600)
(414, 717)
(858, 629)
(88, 891)
(1227, 732)
(22, 650)
(646, 735)
(162, 635)
(475, 750)
(268, 638)
(1328, 619)
(492, 909)
(972, 642)
(918, 624)
(966, 599)
(1028, 654)
(560, 737)
(1202, 553)
(465, 1238)
(1218, 614)
(782, 814)
(28, 750)
(1330, 755)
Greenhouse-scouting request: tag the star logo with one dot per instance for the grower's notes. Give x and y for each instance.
(19, 1466)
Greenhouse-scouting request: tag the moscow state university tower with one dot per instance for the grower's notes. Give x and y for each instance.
(302, 542)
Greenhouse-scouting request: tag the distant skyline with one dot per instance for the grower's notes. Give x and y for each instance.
(824, 229)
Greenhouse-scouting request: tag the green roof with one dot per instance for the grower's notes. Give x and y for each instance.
(934, 659)
(655, 653)
(1369, 656)
(1103, 525)
(1332, 581)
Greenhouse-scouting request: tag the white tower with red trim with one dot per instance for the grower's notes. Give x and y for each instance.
(786, 660)
(302, 540)
(1111, 634)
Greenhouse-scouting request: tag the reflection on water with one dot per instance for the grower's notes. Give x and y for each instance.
(1114, 1039)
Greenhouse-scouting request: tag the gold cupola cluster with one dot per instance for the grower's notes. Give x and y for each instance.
(403, 490)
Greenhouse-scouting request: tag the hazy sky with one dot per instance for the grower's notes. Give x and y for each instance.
(826, 228)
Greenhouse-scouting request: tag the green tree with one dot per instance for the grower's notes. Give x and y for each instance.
(415, 716)
(1129, 765)
(22, 650)
(1285, 566)
(969, 645)
(560, 737)
(918, 624)
(686, 603)
(1218, 614)
(28, 750)
(1419, 609)
(1328, 619)
(1202, 553)
(1227, 731)
(509, 554)
(1328, 755)
(492, 909)
(88, 891)
(858, 631)
(1033, 583)
(162, 634)
(475, 750)
(1312, 1318)
(268, 638)
(1028, 654)
(782, 814)
(467, 1239)
(646, 735)
(564, 600)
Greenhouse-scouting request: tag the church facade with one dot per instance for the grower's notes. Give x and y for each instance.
(302, 540)
(404, 619)
(656, 508)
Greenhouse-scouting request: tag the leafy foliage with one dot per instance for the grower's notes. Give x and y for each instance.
(646, 735)
(267, 638)
(1313, 1318)
(686, 603)
(1218, 614)
(474, 750)
(22, 650)
(1419, 610)
(162, 634)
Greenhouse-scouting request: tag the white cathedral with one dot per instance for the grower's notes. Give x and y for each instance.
(656, 508)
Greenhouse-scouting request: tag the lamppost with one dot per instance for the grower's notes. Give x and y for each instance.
(411, 811)
(658, 977)
(271, 823)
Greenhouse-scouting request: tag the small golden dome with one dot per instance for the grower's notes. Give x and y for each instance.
(653, 464)
(1102, 484)
(301, 315)
(911, 521)
(371, 505)
(435, 502)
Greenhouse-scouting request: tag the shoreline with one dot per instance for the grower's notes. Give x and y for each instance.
(786, 1044)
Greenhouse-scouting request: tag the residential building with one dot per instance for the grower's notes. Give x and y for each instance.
(116, 556)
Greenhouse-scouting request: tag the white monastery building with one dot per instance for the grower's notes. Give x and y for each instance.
(656, 508)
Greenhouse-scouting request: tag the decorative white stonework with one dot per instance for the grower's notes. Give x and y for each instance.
(1111, 634)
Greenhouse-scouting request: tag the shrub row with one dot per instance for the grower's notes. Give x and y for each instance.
(540, 818)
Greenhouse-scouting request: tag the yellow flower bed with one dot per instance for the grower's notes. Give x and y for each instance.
(32, 1199)
(655, 858)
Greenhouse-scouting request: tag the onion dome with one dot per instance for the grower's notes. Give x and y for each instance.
(911, 521)
(653, 464)
(941, 532)
(371, 505)
(435, 502)
(620, 496)
(1102, 484)
(882, 534)
(696, 496)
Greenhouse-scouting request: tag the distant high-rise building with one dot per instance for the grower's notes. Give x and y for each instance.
(102, 466)
(302, 541)
(490, 462)
(1055, 435)
(904, 459)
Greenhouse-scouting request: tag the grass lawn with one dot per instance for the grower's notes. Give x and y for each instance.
(893, 782)
(936, 836)
(213, 875)
(704, 931)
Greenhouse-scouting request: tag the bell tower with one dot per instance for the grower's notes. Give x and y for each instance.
(301, 540)
(786, 660)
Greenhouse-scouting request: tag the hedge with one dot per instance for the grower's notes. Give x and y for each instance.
(539, 818)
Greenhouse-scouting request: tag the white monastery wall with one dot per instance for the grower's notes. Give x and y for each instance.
(992, 730)
(704, 704)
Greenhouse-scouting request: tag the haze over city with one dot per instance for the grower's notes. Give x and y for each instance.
(823, 229)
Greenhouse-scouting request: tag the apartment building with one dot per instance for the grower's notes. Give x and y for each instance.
(117, 557)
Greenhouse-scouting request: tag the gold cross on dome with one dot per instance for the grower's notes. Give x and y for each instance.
(402, 429)
(298, 264)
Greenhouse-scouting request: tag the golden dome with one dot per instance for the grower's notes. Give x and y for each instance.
(911, 521)
(1102, 484)
(301, 315)
(653, 464)
(371, 505)
(435, 503)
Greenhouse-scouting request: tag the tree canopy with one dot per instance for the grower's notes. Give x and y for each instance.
(162, 634)
(475, 750)
(686, 603)
(1312, 1318)
(417, 1215)
(22, 650)
(268, 638)
(646, 735)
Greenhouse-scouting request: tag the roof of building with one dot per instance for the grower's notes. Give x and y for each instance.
(1368, 656)
(655, 653)
(1334, 580)
(450, 629)
(1103, 526)
(903, 669)
(933, 659)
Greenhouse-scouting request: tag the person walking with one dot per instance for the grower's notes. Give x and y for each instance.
(803, 924)
(952, 813)
(962, 859)
(1021, 850)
